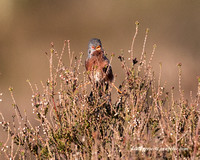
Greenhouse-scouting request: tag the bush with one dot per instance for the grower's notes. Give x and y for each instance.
(81, 122)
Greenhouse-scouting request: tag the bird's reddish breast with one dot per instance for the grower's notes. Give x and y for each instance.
(97, 65)
(95, 62)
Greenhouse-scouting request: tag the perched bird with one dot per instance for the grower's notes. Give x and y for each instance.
(97, 64)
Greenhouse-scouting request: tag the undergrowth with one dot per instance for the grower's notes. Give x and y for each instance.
(80, 121)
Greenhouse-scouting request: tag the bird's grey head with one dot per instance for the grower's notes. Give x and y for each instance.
(94, 45)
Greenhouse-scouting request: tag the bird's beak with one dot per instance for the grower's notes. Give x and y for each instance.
(98, 48)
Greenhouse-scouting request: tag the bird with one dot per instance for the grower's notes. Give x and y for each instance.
(97, 64)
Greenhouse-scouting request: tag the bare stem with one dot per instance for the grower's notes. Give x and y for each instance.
(134, 37)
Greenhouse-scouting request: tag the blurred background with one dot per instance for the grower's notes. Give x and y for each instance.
(27, 27)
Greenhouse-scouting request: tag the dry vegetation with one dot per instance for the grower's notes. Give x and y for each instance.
(80, 121)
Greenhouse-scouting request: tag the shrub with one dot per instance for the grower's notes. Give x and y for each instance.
(77, 121)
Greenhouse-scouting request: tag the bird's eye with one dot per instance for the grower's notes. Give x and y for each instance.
(98, 47)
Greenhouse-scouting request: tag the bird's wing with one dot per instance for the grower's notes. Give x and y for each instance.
(107, 69)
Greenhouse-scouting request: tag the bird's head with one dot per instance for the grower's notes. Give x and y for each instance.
(94, 45)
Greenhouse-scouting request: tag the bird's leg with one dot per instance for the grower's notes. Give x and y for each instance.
(100, 89)
(91, 98)
(94, 92)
